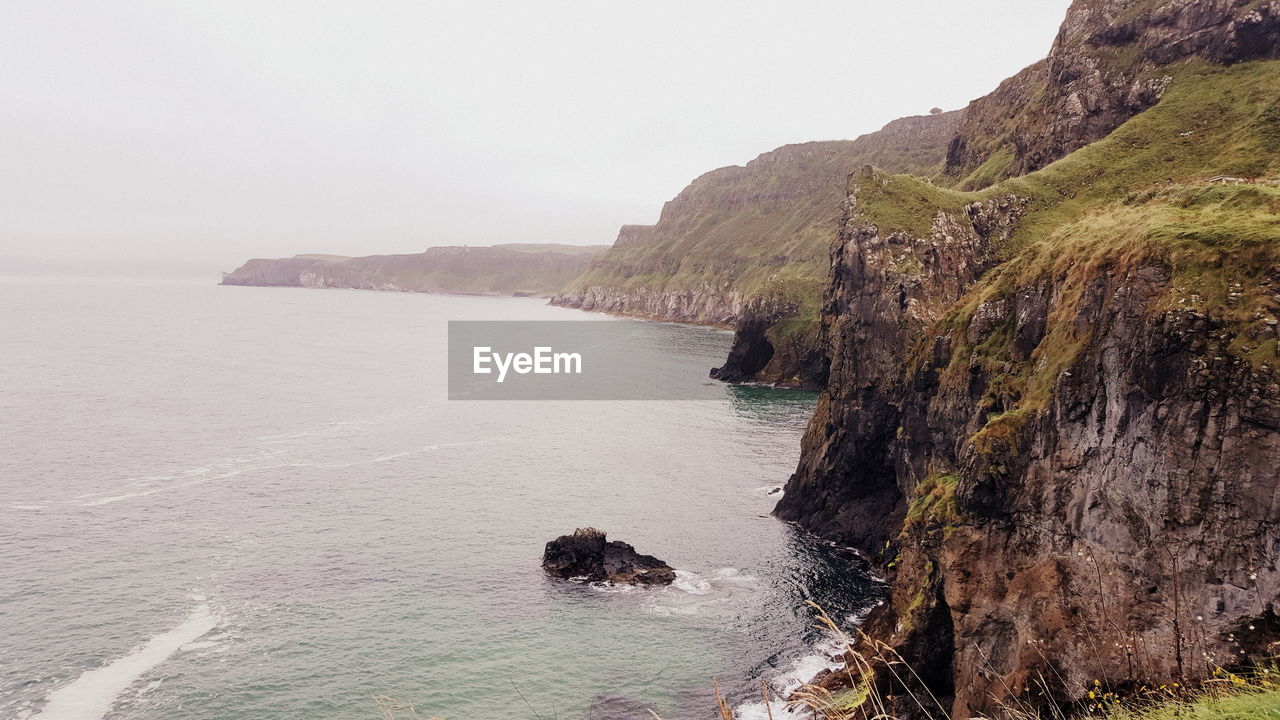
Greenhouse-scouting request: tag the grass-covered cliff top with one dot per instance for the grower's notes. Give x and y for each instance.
(1212, 121)
(1150, 193)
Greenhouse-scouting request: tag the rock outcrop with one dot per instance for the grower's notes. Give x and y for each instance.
(775, 341)
(532, 270)
(587, 555)
(1053, 407)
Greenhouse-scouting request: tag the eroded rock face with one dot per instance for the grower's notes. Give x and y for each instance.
(846, 487)
(1128, 531)
(1133, 528)
(760, 354)
(589, 556)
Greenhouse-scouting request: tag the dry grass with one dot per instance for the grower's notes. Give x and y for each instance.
(1228, 696)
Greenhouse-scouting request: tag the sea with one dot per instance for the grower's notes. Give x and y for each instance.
(241, 502)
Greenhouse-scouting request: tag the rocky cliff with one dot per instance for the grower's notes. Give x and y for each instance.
(1109, 62)
(1053, 407)
(515, 269)
(752, 241)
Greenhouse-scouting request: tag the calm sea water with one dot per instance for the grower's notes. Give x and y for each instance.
(257, 503)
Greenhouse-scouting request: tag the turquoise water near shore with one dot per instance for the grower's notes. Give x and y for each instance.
(257, 502)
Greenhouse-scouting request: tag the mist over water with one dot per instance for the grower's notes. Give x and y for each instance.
(257, 502)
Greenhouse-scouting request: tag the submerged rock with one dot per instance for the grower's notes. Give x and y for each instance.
(586, 554)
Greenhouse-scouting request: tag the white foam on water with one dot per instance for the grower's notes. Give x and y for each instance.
(143, 493)
(691, 583)
(694, 594)
(777, 710)
(803, 670)
(16, 506)
(202, 474)
(90, 696)
(406, 453)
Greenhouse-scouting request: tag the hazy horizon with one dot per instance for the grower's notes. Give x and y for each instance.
(194, 136)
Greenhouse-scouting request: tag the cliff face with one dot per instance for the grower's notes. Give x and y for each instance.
(738, 234)
(499, 270)
(1109, 62)
(885, 288)
(1053, 407)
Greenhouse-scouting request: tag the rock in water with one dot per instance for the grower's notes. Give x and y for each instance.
(586, 554)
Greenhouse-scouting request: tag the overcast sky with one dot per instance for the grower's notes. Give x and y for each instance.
(198, 134)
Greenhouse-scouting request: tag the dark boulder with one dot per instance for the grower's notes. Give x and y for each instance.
(587, 555)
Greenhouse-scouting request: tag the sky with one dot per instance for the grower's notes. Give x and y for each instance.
(195, 135)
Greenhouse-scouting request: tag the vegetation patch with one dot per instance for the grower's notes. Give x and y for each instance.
(902, 203)
(996, 168)
(935, 501)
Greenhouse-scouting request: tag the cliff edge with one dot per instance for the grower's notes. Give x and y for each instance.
(1053, 406)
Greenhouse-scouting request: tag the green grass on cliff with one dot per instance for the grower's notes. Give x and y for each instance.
(1139, 197)
(935, 499)
(996, 168)
(1217, 243)
(903, 203)
(1212, 121)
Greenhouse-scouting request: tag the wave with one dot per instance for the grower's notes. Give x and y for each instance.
(143, 493)
(803, 670)
(90, 696)
(694, 594)
(200, 475)
(332, 428)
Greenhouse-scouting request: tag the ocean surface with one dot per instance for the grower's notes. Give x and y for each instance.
(230, 502)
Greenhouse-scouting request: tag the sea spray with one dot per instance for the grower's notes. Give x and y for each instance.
(90, 696)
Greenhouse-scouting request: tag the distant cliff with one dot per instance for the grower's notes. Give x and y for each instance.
(1053, 405)
(752, 241)
(514, 269)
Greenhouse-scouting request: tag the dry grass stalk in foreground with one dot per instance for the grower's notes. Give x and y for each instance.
(1229, 696)
(726, 712)
(864, 699)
